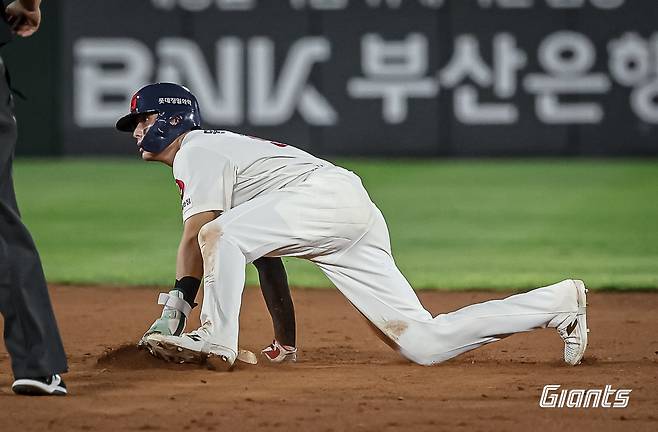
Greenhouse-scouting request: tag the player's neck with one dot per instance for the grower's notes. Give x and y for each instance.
(168, 154)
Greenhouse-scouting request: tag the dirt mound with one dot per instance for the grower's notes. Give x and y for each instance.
(129, 356)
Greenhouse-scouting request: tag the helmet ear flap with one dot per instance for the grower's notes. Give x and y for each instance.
(167, 127)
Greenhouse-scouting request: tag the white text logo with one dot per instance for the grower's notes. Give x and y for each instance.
(552, 397)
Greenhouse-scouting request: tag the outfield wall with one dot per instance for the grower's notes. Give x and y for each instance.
(367, 77)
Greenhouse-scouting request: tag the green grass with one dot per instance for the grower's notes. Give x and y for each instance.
(454, 224)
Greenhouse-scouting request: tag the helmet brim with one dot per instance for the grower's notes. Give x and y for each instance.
(128, 123)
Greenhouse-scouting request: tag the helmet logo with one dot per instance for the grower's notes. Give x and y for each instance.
(174, 120)
(175, 101)
(133, 103)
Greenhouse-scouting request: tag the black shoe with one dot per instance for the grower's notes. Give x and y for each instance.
(52, 385)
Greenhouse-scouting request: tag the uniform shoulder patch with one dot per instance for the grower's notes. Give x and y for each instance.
(181, 187)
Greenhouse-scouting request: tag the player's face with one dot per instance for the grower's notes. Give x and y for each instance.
(144, 122)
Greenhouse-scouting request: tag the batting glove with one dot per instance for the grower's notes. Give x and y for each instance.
(174, 314)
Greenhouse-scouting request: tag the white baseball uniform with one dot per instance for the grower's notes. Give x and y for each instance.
(277, 200)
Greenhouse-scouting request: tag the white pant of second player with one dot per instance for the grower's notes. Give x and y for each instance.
(330, 220)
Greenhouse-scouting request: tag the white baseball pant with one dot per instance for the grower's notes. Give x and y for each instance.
(330, 220)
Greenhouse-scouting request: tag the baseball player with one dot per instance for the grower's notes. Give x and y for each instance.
(244, 198)
(179, 301)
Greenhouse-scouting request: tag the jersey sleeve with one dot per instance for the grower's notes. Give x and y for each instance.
(205, 180)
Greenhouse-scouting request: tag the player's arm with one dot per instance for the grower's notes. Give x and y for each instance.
(189, 262)
(179, 301)
(274, 285)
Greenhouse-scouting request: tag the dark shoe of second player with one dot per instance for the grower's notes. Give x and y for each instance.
(52, 385)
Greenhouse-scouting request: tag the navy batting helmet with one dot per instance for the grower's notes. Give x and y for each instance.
(177, 109)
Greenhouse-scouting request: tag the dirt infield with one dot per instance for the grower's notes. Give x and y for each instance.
(346, 378)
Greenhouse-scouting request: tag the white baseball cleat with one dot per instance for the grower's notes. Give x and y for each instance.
(573, 330)
(277, 353)
(190, 348)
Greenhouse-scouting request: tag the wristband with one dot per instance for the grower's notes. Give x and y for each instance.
(189, 286)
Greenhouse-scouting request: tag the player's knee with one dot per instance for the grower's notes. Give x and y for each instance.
(209, 234)
(418, 356)
(425, 354)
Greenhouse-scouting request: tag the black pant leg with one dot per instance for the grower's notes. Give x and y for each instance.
(31, 334)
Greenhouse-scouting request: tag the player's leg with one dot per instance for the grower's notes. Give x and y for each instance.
(31, 334)
(320, 216)
(369, 278)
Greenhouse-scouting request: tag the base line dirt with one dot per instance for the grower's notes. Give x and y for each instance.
(345, 379)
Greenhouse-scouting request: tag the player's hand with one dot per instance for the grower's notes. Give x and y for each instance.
(174, 315)
(23, 21)
(161, 326)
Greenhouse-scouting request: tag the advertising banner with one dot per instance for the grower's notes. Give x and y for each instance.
(376, 77)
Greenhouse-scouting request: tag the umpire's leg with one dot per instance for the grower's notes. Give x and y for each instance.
(31, 334)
